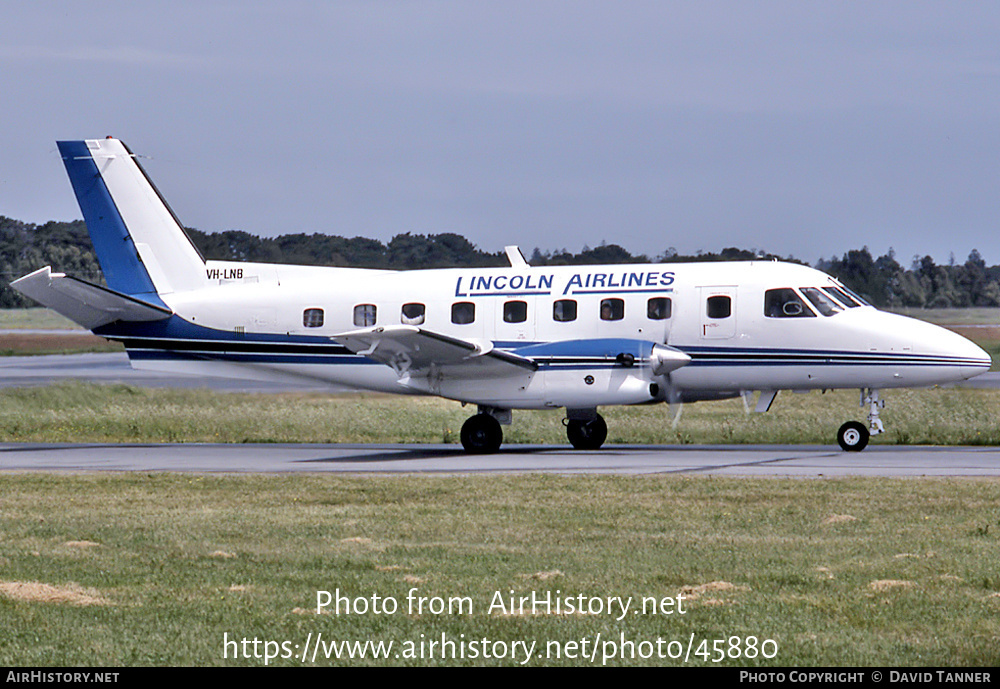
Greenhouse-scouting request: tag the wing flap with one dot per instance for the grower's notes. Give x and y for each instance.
(85, 303)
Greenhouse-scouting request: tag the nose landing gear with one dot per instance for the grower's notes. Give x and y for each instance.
(853, 436)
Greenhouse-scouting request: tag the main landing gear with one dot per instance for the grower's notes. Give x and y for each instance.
(585, 428)
(853, 436)
(482, 435)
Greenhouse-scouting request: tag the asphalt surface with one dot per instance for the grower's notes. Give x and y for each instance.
(742, 460)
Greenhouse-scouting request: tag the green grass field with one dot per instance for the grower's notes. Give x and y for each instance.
(84, 412)
(35, 319)
(980, 315)
(157, 569)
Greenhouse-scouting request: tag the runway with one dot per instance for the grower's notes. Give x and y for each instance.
(729, 460)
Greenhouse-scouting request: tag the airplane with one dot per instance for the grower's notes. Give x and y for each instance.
(516, 337)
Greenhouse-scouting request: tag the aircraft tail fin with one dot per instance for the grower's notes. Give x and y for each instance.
(142, 248)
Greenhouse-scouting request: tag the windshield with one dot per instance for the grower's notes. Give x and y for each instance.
(841, 296)
(824, 304)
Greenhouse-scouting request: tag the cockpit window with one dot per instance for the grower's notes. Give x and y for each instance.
(854, 295)
(785, 303)
(824, 304)
(841, 296)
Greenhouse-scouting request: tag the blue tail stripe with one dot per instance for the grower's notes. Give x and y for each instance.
(115, 249)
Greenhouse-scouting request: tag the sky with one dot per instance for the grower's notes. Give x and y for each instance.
(800, 128)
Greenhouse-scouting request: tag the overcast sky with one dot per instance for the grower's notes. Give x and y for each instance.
(799, 128)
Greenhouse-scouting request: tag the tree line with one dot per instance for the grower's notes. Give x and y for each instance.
(66, 246)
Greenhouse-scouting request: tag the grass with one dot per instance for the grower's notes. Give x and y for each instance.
(34, 344)
(66, 337)
(835, 572)
(87, 412)
(979, 315)
(35, 319)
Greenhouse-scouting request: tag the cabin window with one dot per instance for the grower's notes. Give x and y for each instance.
(312, 318)
(515, 312)
(412, 314)
(719, 307)
(824, 304)
(463, 312)
(612, 309)
(785, 303)
(658, 308)
(364, 314)
(564, 310)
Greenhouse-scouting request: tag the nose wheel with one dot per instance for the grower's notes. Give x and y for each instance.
(853, 436)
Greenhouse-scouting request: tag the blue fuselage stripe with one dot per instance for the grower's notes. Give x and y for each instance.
(177, 338)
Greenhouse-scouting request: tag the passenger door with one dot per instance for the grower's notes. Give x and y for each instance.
(718, 312)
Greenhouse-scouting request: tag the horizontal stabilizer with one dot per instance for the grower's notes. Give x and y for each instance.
(85, 303)
(413, 351)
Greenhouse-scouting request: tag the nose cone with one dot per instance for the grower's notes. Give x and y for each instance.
(950, 356)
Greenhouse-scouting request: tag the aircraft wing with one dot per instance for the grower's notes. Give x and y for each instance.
(85, 303)
(413, 351)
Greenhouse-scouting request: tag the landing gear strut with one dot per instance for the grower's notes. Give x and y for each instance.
(853, 436)
(587, 434)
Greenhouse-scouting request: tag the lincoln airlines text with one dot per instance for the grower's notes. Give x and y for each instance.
(580, 283)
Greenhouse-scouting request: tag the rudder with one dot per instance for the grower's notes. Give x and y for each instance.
(142, 248)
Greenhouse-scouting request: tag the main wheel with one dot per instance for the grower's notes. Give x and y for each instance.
(587, 435)
(853, 436)
(481, 435)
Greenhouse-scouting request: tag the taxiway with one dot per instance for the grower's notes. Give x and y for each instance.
(731, 460)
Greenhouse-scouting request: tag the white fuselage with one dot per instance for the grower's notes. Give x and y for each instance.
(716, 314)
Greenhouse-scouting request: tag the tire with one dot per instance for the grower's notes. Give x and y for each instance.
(587, 435)
(853, 436)
(481, 435)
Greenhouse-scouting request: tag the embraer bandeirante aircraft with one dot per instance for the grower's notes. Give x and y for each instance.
(517, 337)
